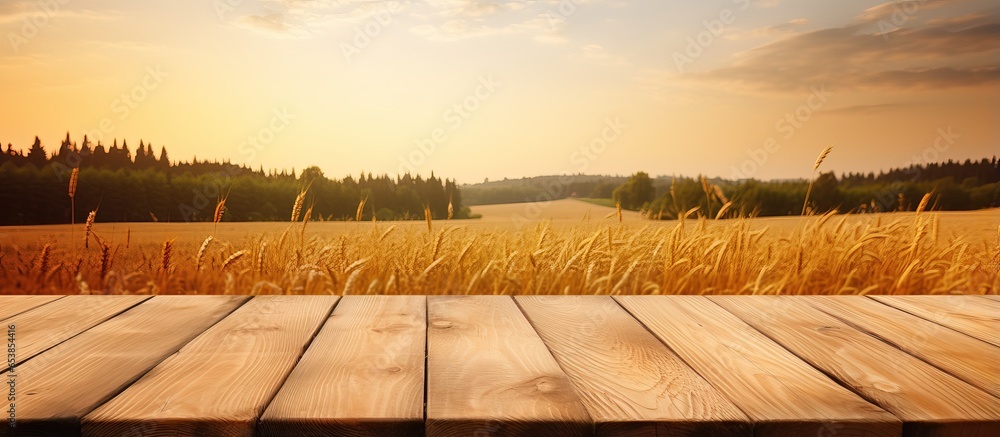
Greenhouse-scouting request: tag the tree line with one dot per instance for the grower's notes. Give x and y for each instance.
(953, 186)
(122, 186)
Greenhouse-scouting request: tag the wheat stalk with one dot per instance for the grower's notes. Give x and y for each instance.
(723, 210)
(165, 254)
(233, 258)
(361, 210)
(42, 265)
(89, 228)
(201, 253)
(707, 188)
(220, 209)
(305, 221)
(427, 216)
(105, 261)
(297, 207)
(719, 194)
(819, 160)
(72, 193)
(924, 202)
(822, 157)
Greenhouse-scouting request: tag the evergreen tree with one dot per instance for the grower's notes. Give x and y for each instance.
(164, 161)
(36, 154)
(100, 159)
(64, 148)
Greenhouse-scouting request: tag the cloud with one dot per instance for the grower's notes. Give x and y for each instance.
(600, 55)
(439, 20)
(271, 22)
(542, 28)
(902, 9)
(866, 109)
(789, 27)
(948, 54)
(302, 18)
(15, 12)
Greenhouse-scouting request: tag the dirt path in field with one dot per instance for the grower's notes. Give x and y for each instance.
(564, 210)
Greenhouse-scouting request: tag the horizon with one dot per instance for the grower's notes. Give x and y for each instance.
(473, 90)
(50, 154)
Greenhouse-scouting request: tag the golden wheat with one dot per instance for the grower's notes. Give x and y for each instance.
(73, 177)
(201, 254)
(828, 254)
(297, 206)
(89, 228)
(819, 160)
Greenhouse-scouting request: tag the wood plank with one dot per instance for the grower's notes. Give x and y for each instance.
(930, 401)
(782, 394)
(219, 383)
(488, 373)
(13, 305)
(68, 381)
(630, 382)
(55, 322)
(972, 315)
(969, 359)
(363, 374)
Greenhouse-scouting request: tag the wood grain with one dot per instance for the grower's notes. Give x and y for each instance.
(55, 322)
(13, 305)
(782, 394)
(221, 381)
(930, 401)
(488, 373)
(68, 381)
(972, 315)
(969, 359)
(630, 382)
(362, 375)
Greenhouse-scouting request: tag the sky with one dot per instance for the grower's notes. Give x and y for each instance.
(500, 88)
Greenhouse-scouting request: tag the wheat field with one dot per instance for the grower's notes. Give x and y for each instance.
(568, 248)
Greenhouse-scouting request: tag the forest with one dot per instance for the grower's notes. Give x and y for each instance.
(966, 185)
(147, 187)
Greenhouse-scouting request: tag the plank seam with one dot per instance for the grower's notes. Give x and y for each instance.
(925, 318)
(126, 386)
(427, 336)
(41, 352)
(831, 377)
(900, 348)
(30, 309)
(319, 327)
